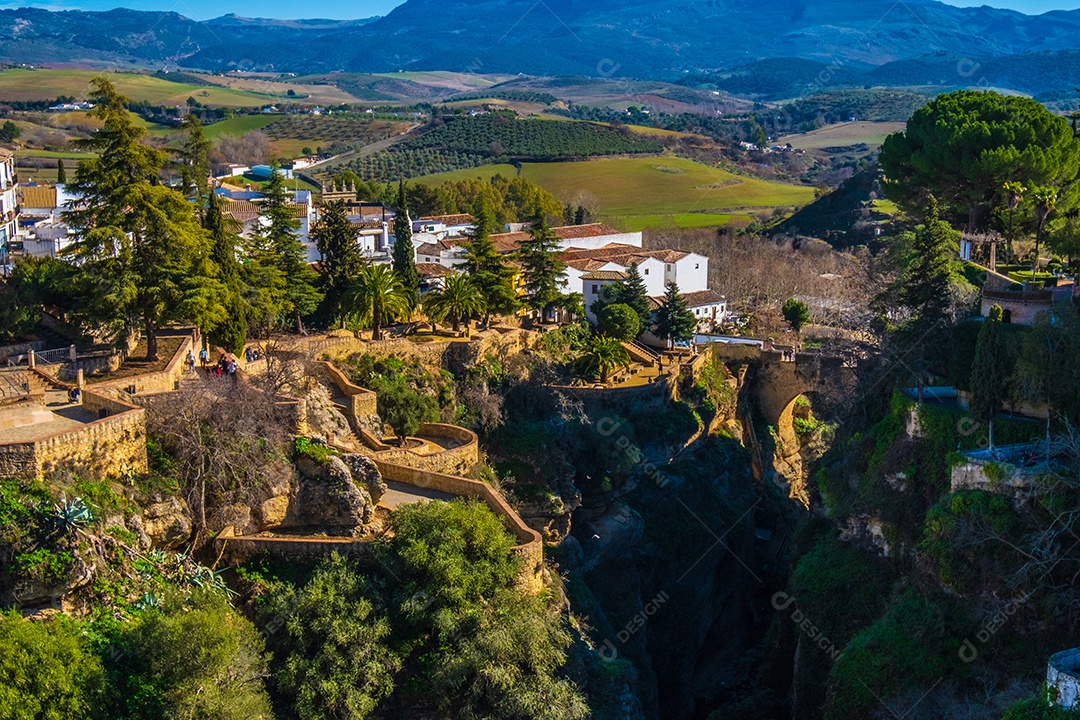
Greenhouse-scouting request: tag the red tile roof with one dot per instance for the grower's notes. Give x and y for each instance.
(462, 219)
(433, 270)
(569, 232)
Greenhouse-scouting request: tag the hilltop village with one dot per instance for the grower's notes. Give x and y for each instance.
(366, 449)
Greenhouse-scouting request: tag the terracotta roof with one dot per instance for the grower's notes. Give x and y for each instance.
(41, 196)
(695, 299)
(462, 219)
(623, 254)
(433, 270)
(604, 275)
(237, 208)
(702, 297)
(240, 206)
(506, 243)
(586, 264)
(569, 232)
(427, 249)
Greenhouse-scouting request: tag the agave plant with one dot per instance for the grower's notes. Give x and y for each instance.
(72, 515)
(148, 600)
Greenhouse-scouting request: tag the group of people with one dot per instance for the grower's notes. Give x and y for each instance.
(225, 366)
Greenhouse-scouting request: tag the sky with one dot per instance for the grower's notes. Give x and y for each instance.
(352, 9)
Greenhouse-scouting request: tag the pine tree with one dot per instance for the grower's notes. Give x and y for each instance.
(193, 164)
(404, 256)
(542, 267)
(61, 172)
(990, 371)
(141, 252)
(336, 240)
(488, 270)
(674, 320)
(280, 245)
(231, 332)
(632, 292)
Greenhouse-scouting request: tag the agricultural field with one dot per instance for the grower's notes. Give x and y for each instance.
(292, 133)
(647, 192)
(466, 142)
(238, 125)
(20, 84)
(846, 134)
(314, 93)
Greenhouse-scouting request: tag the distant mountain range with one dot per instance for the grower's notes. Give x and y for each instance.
(871, 40)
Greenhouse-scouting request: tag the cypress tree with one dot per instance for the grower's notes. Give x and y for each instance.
(61, 172)
(404, 257)
(280, 245)
(632, 292)
(990, 372)
(336, 240)
(231, 332)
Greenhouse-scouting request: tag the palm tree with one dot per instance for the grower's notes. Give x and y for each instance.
(604, 355)
(378, 294)
(458, 300)
(1045, 201)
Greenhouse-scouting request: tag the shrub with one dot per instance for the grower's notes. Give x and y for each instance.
(303, 447)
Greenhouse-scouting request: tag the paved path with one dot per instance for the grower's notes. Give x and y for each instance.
(401, 494)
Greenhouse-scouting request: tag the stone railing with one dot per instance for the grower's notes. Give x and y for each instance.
(153, 382)
(1000, 471)
(460, 459)
(113, 444)
(282, 547)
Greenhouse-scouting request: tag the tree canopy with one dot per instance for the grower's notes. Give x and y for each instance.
(962, 147)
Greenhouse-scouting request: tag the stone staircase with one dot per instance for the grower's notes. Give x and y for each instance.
(20, 382)
(640, 353)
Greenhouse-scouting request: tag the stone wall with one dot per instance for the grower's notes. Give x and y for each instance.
(653, 393)
(362, 404)
(460, 460)
(155, 382)
(235, 548)
(530, 545)
(110, 446)
(1063, 676)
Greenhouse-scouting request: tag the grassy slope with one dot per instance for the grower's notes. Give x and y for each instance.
(239, 125)
(842, 134)
(640, 192)
(20, 84)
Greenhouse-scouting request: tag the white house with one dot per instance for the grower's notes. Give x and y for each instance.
(445, 226)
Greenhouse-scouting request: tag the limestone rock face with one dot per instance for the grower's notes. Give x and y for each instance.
(167, 523)
(33, 594)
(366, 473)
(330, 498)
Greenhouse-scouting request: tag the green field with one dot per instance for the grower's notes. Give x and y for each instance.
(43, 84)
(845, 134)
(239, 125)
(642, 192)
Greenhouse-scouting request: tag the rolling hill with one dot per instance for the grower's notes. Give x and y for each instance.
(661, 39)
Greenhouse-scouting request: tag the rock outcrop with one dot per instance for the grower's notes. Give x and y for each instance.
(366, 472)
(329, 497)
(167, 522)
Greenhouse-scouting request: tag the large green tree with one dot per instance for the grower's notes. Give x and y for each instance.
(632, 292)
(674, 321)
(341, 260)
(46, 670)
(542, 267)
(618, 321)
(404, 256)
(144, 257)
(962, 147)
(488, 269)
(604, 355)
(922, 301)
(335, 647)
(278, 244)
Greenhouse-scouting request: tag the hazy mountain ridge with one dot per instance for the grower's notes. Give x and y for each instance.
(638, 38)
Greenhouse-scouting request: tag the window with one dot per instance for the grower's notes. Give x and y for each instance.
(646, 271)
(697, 266)
(594, 290)
(667, 267)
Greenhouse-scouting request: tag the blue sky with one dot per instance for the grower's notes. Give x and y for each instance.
(203, 9)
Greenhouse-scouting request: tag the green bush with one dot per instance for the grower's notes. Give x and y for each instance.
(303, 447)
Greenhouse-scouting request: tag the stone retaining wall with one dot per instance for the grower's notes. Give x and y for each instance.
(156, 382)
(112, 445)
(362, 403)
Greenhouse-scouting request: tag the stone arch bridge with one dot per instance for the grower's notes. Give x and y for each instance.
(780, 377)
